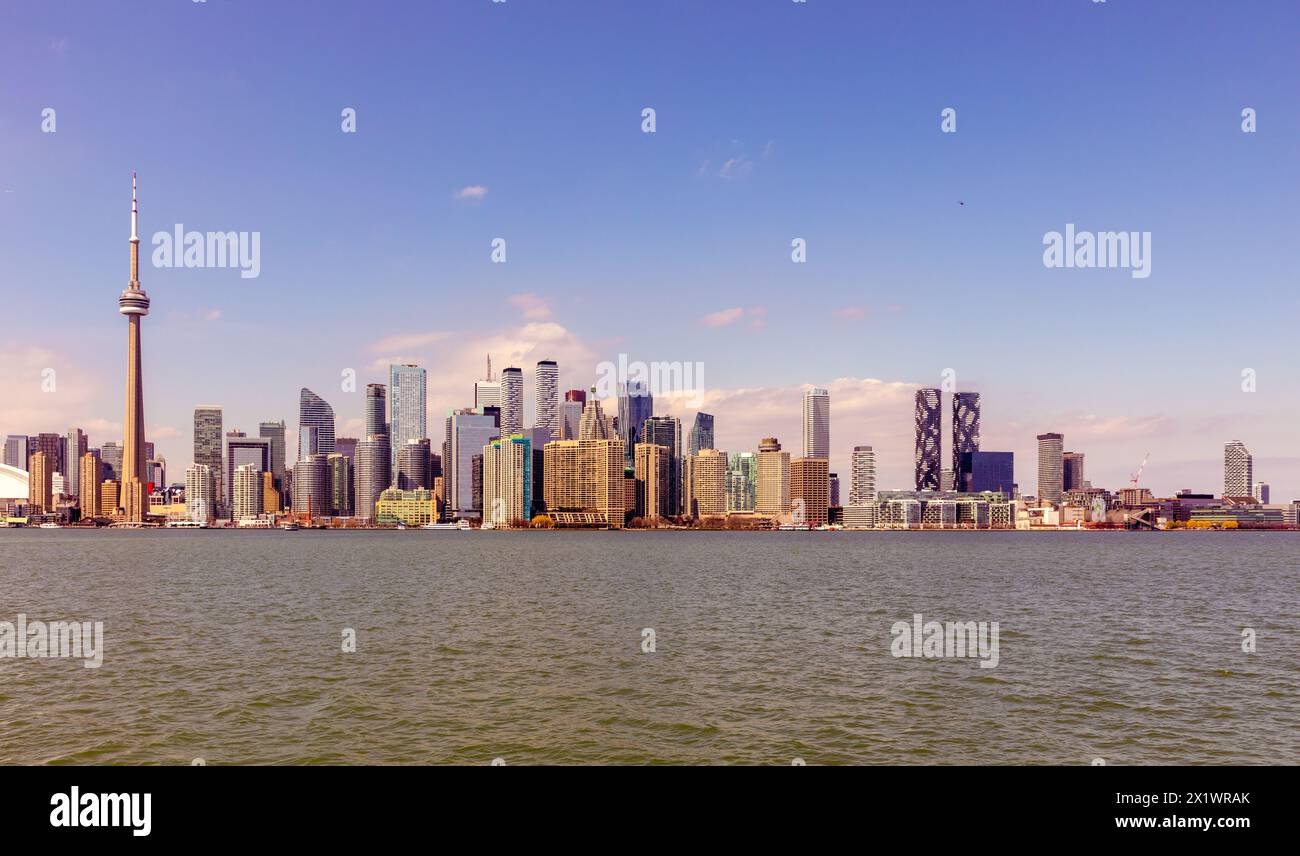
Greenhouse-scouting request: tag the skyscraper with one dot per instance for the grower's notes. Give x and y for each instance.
(593, 425)
(862, 487)
(929, 426)
(75, 446)
(546, 389)
(742, 481)
(635, 406)
(274, 431)
(965, 431)
(315, 412)
(339, 467)
(53, 445)
(1238, 470)
(1051, 467)
(376, 410)
(512, 402)
(994, 471)
(571, 414)
(487, 393)
(406, 407)
(110, 458)
(16, 454)
(246, 492)
(207, 449)
(134, 304)
(701, 433)
(469, 433)
(817, 423)
(1072, 471)
(371, 474)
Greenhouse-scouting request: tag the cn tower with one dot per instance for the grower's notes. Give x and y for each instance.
(134, 304)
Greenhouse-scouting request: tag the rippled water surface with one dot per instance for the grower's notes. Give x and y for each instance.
(770, 646)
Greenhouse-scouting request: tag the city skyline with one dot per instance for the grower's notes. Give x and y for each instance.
(733, 296)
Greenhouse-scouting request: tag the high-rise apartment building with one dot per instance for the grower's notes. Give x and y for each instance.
(651, 472)
(376, 410)
(512, 401)
(862, 484)
(315, 412)
(200, 493)
(1051, 467)
(406, 407)
(773, 478)
(810, 491)
(412, 471)
(546, 391)
(371, 474)
(1262, 492)
(1238, 470)
(817, 423)
(508, 481)
(207, 446)
(246, 492)
(965, 431)
(110, 499)
(40, 484)
(584, 482)
(89, 482)
(311, 486)
(706, 483)
(928, 421)
(742, 481)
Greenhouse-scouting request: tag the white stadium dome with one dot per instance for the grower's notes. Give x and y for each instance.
(13, 483)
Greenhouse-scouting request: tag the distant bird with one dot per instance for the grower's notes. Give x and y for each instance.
(962, 204)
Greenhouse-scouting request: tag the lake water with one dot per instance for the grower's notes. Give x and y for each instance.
(227, 646)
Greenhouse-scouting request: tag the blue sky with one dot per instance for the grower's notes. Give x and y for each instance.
(775, 120)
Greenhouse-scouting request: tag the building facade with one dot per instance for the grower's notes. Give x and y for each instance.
(928, 423)
(817, 423)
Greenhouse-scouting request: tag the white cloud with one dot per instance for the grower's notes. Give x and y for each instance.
(472, 193)
(723, 318)
(535, 308)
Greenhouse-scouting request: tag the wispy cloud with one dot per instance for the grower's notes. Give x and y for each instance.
(851, 313)
(723, 317)
(472, 193)
(406, 341)
(534, 307)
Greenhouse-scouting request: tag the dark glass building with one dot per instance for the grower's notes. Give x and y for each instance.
(981, 471)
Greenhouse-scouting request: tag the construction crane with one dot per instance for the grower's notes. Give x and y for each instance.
(1137, 475)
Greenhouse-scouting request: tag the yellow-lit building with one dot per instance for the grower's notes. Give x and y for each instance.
(109, 500)
(40, 483)
(270, 496)
(773, 488)
(652, 463)
(89, 486)
(583, 482)
(408, 507)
